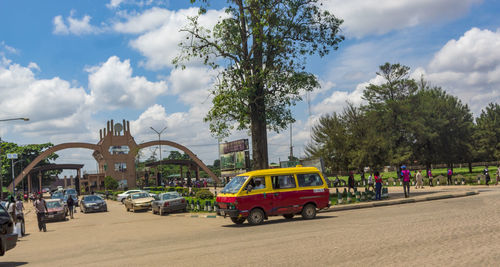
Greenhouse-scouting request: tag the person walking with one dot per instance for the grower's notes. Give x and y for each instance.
(487, 177)
(11, 208)
(370, 182)
(406, 180)
(429, 174)
(71, 205)
(19, 205)
(41, 209)
(378, 186)
(450, 174)
(350, 182)
(420, 180)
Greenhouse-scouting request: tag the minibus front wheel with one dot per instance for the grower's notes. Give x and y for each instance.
(309, 211)
(256, 216)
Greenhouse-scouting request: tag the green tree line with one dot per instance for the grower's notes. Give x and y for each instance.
(405, 121)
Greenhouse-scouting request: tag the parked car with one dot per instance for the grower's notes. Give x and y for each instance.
(56, 210)
(19, 216)
(121, 197)
(168, 202)
(58, 195)
(92, 203)
(299, 190)
(138, 201)
(8, 238)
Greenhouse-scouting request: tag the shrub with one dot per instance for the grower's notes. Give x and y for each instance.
(110, 183)
(204, 194)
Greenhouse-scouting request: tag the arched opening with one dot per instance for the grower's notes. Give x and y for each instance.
(185, 150)
(45, 154)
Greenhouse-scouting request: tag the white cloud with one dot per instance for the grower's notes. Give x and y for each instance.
(74, 25)
(185, 128)
(9, 49)
(161, 35)
(378, 17)
(114, 3)
(337, 101)
(151, 19)
(469, 68)
(112, 86)
(192, 85)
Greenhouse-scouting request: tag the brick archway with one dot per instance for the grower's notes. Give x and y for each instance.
(184, 149)
(46, 153)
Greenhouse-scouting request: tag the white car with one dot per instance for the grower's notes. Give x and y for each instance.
(121, 197)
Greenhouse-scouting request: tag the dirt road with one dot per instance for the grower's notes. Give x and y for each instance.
(451, 232)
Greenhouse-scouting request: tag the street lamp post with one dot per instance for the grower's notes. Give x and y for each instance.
(15, 119)
(13, 176)
(159, 143)
(1, 176)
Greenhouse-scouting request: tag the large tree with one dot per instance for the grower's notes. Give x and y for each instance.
(487, 134)
(261, 48)
(26, 154)
(389, 104)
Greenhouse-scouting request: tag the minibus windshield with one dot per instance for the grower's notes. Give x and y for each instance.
(234, 185)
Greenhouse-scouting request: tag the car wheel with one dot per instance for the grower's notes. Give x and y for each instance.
(256, 216)
(288, 216)
(309, 212)
(238, 220)
(2, 250)
(127, 208)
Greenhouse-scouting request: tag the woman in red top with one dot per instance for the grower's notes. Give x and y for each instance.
(378, 186)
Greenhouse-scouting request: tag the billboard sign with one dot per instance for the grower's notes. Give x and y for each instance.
(234, 157)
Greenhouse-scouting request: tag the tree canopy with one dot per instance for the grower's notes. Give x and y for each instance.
(260, 49)
(405, 121)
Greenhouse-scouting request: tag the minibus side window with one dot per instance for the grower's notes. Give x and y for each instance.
(309, 179)
(256, 183)
(283, 181)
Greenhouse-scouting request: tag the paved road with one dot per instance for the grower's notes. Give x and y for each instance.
(453, 232)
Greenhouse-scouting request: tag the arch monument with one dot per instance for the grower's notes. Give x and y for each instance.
(115, 154)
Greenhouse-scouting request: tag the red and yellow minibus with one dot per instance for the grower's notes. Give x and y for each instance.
(256, 195)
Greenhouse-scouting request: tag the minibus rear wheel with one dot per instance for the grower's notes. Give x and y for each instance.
(309, 211)
(238, 220)
(256, 216)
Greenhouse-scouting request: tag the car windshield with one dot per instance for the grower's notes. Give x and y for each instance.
(57, 195)
(53, 204)
(235, 184)
(140, 195)
(91, 198)
(71, 192)
(169, 196)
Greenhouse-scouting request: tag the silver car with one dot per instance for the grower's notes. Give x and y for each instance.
(168, 202)
(121, 197)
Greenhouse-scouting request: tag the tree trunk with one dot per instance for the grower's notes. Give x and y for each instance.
(259, 141)
(470, 167)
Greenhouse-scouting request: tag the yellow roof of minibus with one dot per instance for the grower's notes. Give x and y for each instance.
(279, 171)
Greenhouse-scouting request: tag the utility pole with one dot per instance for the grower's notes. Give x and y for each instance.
(159, 143)
(291, 144)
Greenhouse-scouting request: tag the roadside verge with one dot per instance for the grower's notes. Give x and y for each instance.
(436, 196)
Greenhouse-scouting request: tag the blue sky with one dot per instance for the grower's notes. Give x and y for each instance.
(72, 65)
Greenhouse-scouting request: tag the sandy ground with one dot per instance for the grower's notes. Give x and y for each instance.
(453, 232)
